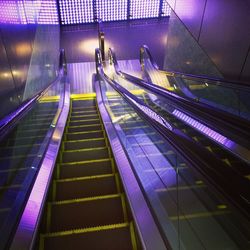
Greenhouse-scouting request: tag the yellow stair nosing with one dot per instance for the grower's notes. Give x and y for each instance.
(85, 149)
(77, 116)
(86, 230)
(85, 178)
(86, 199)
(85, 140)
(85, 126)
(84, 132)
(85, 162)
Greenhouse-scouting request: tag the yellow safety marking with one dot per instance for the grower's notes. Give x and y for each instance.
(79, 116)
(85, 178)
(41, 242)
(85, 140)
(221, 206)
(84, 162)
(52, 98)
(57, 171)
(93, 198)
(180, 188)
(125, 215)
(84, 149)
(48, 221)
(87, 230)
(199, 182)
(84, 111)
(117, 182)
(133, 236)
(53, 190)
(199, 215)
(227, 162)
(248, 177)
(83, 96)
(87, 120)
(112, 165)
(85, 132)
(82, 108)
(84, 126)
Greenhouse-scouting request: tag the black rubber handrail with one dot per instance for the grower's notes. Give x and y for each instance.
(231, 125)
(9, 121)
(216, 172)
(238, 85)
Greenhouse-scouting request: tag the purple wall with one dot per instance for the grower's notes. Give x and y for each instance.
(222, 29)
(125, 38)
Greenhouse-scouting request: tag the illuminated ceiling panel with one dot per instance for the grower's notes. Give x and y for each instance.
(110, 10)
(144, 8)
(29, 12)
(79, 11)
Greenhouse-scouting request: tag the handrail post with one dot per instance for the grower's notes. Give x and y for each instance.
(101, 39)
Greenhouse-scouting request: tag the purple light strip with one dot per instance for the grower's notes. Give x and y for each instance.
(204, 129)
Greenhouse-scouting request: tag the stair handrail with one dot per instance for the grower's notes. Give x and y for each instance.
(230, 124)
(144, 50)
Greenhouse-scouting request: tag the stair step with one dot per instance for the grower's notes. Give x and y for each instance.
(85, 154)
(81, 144)
(114, 237)
(86, 213)
(84, 135)
(14, 151)
(84, 112)
(92, 127)
(81, 187)
(83, 103)
(84, 122)
(84, 117)
(103, 166)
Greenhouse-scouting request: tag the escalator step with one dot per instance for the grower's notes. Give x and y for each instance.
(84, 112)
(81, 187)
(84, 122)
(14, 151)
(111, 237)
(81, 144)
(83, 103)
(84, 117)
(84, 213)
(86, 169)
(84, 135)
(81, 128)
(85, 154)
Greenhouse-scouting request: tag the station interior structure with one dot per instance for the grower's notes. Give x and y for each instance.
(125, 124)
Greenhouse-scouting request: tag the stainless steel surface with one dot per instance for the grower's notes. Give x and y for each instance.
(149, 233)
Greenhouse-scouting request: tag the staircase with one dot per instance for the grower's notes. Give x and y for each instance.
(86, 207)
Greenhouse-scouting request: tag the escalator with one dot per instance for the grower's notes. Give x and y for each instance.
(87, 205)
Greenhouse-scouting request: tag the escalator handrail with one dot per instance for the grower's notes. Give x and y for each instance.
(30, 218)
(198, 158)
(232, 126)
(238, 85)
(9, 121)
(149, 235)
